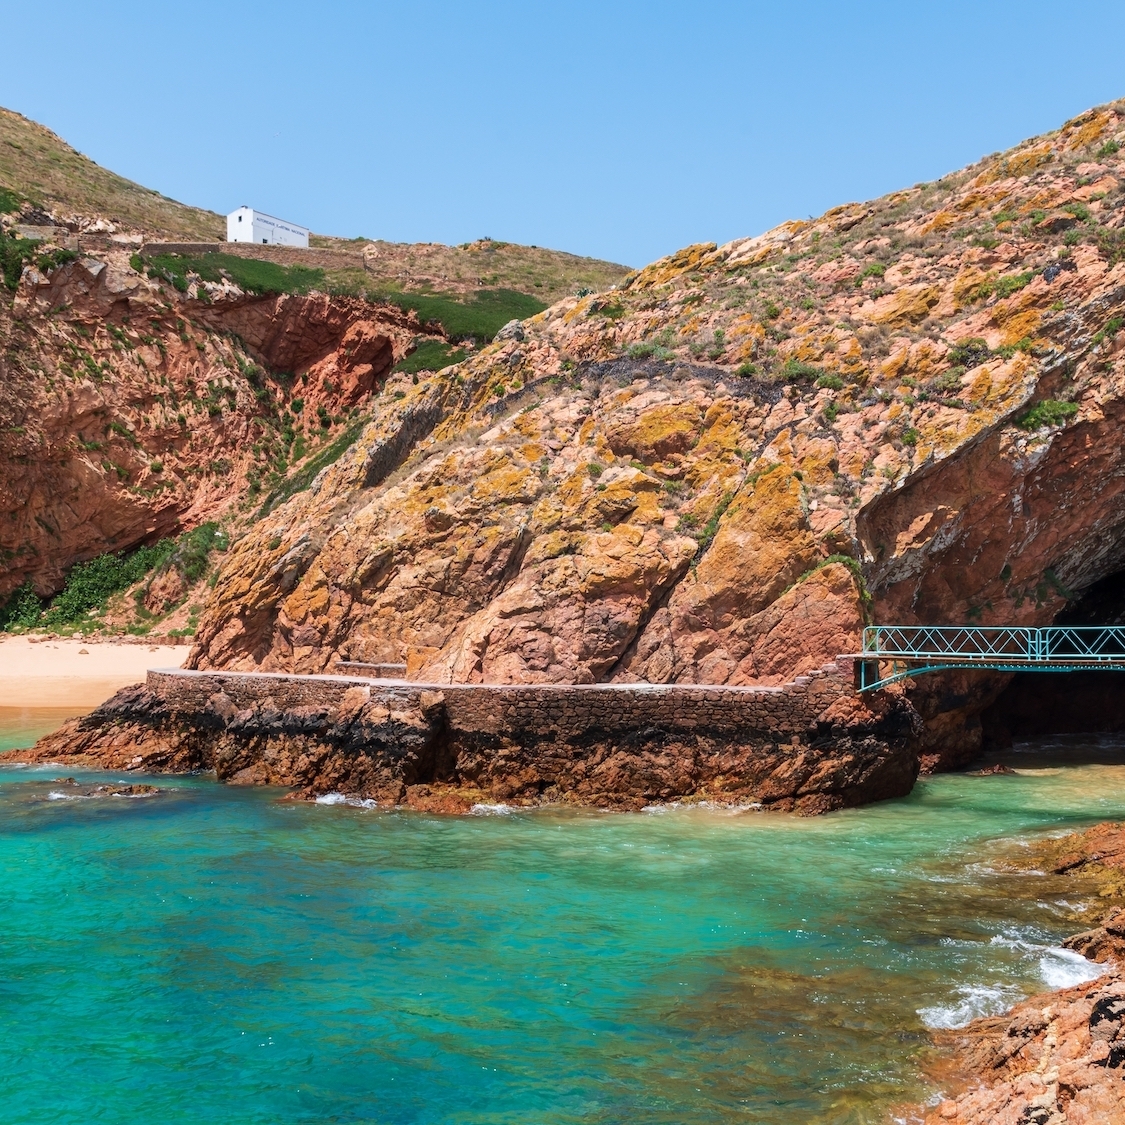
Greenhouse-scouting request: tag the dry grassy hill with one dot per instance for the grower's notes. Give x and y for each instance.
(40, 169)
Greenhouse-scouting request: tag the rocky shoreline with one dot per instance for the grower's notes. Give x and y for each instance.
(1057, 1058)
(809, 746)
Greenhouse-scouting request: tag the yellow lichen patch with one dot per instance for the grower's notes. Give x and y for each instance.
(1017, 324)
(1018, 164)
(941, 220)
(506, 485)
(763, 544)
(981, 386)
(580, 309)
(976, 200)
(657, 432)
(554, 544)
(1089, 129)
(745, 325)
(665, 270)
(906, 306)
(691, 328)
(310, 598)
(1006, 382)
(966, 283)
(818, 461)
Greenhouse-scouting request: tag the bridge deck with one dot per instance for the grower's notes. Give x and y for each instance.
(913, 650)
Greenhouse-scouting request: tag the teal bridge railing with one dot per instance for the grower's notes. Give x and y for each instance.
(896, 652)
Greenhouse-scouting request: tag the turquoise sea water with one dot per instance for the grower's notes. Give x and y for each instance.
(211, 954)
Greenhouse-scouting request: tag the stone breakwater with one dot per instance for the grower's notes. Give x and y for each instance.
(811, 745)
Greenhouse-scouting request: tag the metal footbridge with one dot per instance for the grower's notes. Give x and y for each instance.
(897, 652)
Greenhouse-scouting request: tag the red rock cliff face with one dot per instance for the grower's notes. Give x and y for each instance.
(129, 411)
(683, 480)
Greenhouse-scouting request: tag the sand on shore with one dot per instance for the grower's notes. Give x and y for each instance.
(76, 675)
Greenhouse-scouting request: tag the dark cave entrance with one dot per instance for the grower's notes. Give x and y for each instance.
(1044, 703)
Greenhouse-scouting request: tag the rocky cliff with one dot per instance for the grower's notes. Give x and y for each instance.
(129, 410)
(713, 472)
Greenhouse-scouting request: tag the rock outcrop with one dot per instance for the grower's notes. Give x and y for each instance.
(1058, 1058)
(713, 472)
(129, 411)
(809, 746)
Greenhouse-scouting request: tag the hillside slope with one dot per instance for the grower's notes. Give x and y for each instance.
(46, 176)
(704, 475)
(43, 169)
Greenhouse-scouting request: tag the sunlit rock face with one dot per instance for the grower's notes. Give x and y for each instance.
(905, 409)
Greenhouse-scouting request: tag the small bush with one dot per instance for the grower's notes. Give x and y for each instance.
(9, 201)
(14, 253)
(746, 370)
(595, 470)
(794, 371)
(910, 437)
(875, 269)
(1079, 210)
(949, 380)
(1110, 148)
(1049, 412)
(832, 382)
(969, 353)
(22, 609)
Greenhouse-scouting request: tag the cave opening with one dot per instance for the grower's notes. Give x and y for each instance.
(1046, 703)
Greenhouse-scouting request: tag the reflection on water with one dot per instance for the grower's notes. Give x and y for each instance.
(307, 963)
(24, 726)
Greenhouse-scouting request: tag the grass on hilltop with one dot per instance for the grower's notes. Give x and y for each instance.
(41, 167)
(251, 274)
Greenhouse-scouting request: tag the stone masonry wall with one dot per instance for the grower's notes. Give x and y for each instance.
(563, 711)
(808, 746)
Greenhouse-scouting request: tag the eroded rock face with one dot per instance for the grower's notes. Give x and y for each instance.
(713, 473)
(129, 411)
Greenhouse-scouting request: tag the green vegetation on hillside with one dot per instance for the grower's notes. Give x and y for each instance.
(90, 585)
(430, 355)
(306, 474)
(251, 274)
(478, 318)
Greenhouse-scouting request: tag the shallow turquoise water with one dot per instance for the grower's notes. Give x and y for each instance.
(213, 954)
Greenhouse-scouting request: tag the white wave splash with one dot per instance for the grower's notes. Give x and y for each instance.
(1063, 968)
(975, 1000)
(491, 810)
(351, 802)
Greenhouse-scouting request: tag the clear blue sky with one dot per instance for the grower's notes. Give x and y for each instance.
(620, 130)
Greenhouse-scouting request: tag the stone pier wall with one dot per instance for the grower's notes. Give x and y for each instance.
(566, 710)
(810, 745)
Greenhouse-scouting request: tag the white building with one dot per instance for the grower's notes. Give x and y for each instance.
(248, 225)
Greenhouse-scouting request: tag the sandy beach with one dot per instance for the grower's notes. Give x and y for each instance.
(74, 674)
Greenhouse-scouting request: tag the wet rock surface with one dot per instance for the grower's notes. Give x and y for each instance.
(1058, 1058)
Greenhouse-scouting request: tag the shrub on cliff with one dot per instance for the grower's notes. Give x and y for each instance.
(14, 253)
(1049, 412)
(90, 585)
